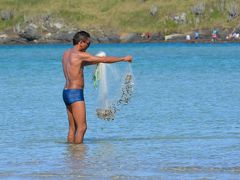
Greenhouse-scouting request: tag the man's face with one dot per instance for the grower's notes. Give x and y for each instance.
(85, 43)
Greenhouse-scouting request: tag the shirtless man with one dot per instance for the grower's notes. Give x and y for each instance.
(73, 62)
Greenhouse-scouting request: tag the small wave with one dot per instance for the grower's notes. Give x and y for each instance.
(198, 169)
(160, 138)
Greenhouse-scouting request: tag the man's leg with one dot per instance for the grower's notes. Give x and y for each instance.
(72, 126)
(79, 114)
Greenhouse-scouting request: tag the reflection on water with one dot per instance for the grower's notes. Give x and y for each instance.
(76, 159)
(84, 161)
(76, 152)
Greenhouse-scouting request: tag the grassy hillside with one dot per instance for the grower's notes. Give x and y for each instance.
(126, 15)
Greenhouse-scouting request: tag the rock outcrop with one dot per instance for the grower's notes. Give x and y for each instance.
(128, 37)
(153, 10)
(6, 15)
(48, 29)
(180, 18)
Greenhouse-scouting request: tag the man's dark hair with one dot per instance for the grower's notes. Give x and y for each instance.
(80, 36)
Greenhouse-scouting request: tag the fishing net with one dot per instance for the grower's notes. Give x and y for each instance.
(115, 87)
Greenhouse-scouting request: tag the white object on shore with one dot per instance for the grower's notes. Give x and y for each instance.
(188, 37)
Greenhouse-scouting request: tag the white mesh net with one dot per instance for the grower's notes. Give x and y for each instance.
(115, 87)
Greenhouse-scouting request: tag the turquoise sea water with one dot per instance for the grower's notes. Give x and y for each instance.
(183, 121)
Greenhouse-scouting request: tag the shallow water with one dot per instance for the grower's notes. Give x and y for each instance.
(182, 121)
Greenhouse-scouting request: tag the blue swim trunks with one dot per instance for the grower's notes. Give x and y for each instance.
(72, 95)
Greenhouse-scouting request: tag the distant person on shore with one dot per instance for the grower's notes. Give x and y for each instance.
(196, 35)
(149, 35)
(214, 35)
(233, 36)
(74, 60)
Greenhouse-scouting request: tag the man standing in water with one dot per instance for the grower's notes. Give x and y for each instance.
(73, 62)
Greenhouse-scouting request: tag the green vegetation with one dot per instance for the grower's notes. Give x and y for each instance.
(125, 15)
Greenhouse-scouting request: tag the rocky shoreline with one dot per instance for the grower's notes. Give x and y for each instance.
(61, 37)
(31, 36)
(46, 29)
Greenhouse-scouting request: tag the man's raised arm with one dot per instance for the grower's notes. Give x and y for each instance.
(90, 60)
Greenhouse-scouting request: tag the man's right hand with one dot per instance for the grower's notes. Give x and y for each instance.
(127, 59)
